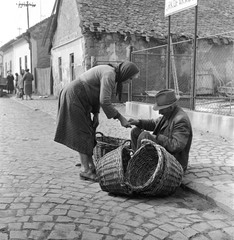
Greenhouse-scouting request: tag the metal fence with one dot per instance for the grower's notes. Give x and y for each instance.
(214, 81)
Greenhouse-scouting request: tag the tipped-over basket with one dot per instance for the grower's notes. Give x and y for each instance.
(111, 169)
(152, 171)
(105, 144)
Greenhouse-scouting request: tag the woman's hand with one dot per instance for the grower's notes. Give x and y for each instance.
(124, 122)
(95, 120)
(134, 121)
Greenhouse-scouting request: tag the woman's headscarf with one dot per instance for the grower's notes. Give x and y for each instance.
(124, 71)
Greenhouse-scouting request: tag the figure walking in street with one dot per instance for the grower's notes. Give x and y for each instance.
(21, 84)
(172, 130)
(79, 105)
(10, 82)
(28, 78)
(16, 83)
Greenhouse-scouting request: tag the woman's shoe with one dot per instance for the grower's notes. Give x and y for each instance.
(89, 176)
(93, 169)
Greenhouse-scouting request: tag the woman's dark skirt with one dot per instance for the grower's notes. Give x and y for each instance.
(74, 124)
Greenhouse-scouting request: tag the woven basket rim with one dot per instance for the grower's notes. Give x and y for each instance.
(123, 141)
(106, 140)
(159, 164)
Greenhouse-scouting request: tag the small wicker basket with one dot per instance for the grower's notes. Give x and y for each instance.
(111, 169)
(106, 144)
(152, 171)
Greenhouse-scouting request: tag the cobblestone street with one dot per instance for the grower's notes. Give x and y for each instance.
(42, 196)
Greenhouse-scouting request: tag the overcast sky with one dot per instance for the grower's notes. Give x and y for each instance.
(13, 20)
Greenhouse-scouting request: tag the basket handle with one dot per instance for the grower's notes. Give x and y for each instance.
(102, 135)
(128, 149)
(126, 141)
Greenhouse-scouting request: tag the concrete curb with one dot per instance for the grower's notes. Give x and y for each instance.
(220, 199)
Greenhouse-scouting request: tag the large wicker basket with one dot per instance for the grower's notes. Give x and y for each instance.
(152, 171)
(111, 169)
(105, 144)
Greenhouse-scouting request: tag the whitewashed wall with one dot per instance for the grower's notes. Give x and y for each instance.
(7, 58)
(21, 49)
(64, 51)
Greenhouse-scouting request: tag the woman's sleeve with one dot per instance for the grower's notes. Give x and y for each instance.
(107, 86)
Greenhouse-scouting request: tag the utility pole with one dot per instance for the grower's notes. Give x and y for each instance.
(27, 4)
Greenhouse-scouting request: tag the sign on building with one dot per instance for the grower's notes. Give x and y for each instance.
(175, 6)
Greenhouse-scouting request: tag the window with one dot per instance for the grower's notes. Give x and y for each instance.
(60, 68)
(26, 62)
(72, 73)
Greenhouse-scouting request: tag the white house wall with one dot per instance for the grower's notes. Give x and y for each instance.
(21, 49)
(1, 63)
(7, 59)
(75, 47)
(67, 40)
(68, 23)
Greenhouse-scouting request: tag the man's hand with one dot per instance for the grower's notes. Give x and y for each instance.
(124, 122)
(134, 121)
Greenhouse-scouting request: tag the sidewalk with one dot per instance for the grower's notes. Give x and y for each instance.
(211, 166)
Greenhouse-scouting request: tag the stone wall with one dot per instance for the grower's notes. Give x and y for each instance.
(114, 48)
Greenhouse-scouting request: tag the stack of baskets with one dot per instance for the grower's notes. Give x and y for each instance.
(150, 171)
(111, 156)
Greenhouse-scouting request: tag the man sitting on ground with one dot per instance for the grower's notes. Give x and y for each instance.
(172, 130)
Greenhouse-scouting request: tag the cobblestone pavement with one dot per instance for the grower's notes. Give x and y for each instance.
(42, 196)
(211, 167)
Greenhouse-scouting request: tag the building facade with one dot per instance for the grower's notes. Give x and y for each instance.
(27, 51)
(89, 32)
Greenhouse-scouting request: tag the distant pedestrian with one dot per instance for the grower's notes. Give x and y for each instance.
(21, 84)
(79, 106)
(28, 78)
(10, 82)
(172, 130)
(16, 83)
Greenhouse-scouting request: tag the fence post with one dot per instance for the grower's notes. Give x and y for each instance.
(129, 56)
(168, 53)
(194, 63)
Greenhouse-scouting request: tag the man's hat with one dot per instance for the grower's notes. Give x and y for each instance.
(164, 99)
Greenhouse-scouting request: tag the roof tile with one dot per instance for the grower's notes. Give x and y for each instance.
(147, 17)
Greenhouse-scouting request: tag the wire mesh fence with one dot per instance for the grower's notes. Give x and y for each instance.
(214, 82)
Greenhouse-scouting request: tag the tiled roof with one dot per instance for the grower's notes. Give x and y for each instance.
(36, 30)
(146, 17)
(7, 45)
